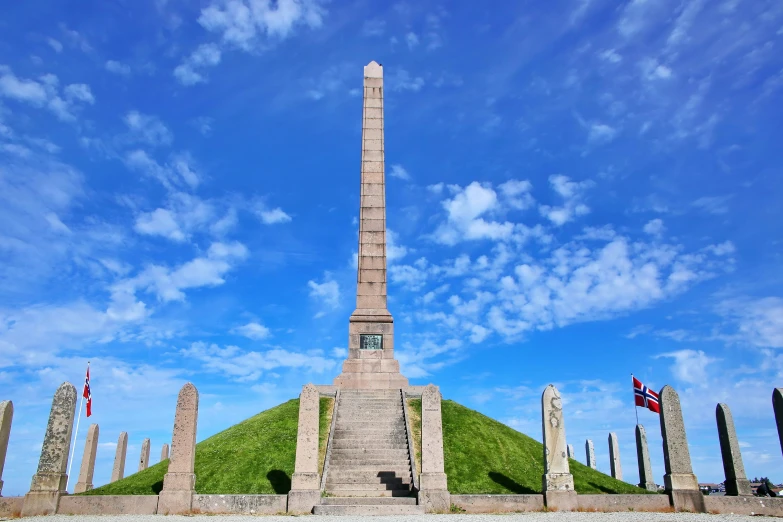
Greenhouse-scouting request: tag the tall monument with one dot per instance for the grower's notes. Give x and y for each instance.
(370, 362)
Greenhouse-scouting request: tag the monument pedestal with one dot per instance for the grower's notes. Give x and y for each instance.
(305, 493)
(684, 493)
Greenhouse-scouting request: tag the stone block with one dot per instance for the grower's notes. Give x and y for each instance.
(372, 263)
(118, 471)
(87, 469)
(557, 474)
(164, 452)
(646, 480)
(373, 225)
(144, 458)
(570, 450)
(49, 481)
(366, 237)
(373, 213)
(623, 503)
(373, 82)
(744, 505)
(372, 276)
(373, 102)
(371, 289)
(369, 133)
(561, 500)
(179, 483)
(240, 504)
(373, 202)
(475, 504)
(431, 432)
(11, 507)
(777, 406)
(373, 112)
(175, 502)
(372, 166)
(590, 454)
(108, 505)
(306, 462)
(373, 92)
(373, 123)
(680, 482)
(433, 481)
(373, 177)
(372, 144)
(303, 501)
(614, 457)
(371, 327)
(370, 250)
(373, 155)
(370, 301)
(435, 500)
(6, 416)
(736, 482)
(373, 189)
(687, 500)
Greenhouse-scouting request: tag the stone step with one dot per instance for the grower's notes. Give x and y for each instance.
(373, 453)
(379, 463)
(390, 484)
(378, 393)
(340, 488)
(357, 501)
(361, 493)
(371, 401)
(345, 477)
(354, 468)
(343, 424)
(360, 444)
(367, 510)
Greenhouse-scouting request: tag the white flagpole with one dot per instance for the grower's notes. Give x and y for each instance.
(75, 435)
(73, 446)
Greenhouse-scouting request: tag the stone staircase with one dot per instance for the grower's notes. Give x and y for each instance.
(369, 470)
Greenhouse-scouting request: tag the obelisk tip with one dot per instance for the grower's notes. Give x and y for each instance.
(373, 70)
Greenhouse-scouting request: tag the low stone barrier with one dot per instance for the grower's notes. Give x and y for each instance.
(240, 504)
(108, 505)
(498, 503)
(632, 502)
(11, 507)
(744, 505)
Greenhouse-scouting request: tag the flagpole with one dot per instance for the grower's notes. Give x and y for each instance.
(73, 446)
(75, 435)
(635, 407)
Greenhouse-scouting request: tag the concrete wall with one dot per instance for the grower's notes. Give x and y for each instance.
(744, 505)
(633, 502)
(108, 505)
(10, 506)
(498, 503)
(240, 504)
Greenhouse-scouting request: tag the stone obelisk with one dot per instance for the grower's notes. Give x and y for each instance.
(371, 362)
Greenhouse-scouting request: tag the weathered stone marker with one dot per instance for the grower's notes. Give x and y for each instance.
(558, 483)
(118, 471)
(570, 451)
(49, 482)
(88, 461)
(164, 452)
(144, 459)
(590, 454)
(371, 362)
(643, 457)
(736, 481)
(6, 416)
(434, 492)
(179, 483)
(614, 457)
(306, 481)
(681, 484)
(777, 406)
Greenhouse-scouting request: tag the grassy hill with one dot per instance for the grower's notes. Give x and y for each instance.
(257, 457)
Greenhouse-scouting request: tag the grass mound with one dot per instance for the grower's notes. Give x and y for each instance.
(257, 457)
(483, 455)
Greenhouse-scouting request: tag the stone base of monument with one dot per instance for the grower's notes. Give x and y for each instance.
(649, 486)
(684, 493)
(738, 487)
(561, 500)
(302, 501)
(41, 503)
(173, 502)
(81, 487)
(435, 500)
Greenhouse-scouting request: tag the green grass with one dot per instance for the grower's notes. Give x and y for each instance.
(253, 457)
(485, 456)
(257, 457)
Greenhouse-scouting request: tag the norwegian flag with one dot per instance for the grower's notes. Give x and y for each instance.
(645, 397)
(86, 393)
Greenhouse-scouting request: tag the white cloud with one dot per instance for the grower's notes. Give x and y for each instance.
(147, 129)
(712, 204)
(690, 366)
(411, 40)
(611, 56)
(654, 227)
(402, 80)
(173, 176)
(465, 219)
(189, 72)
(327, 294)
(116, 67)
(254, 330)
(246, 24)
(159, 222)
(572, 193)
(398, 171)
(652, 70)
(273, 216)
(600, 133)
(517, 193)
(756, 321)
(54, 44)
(394, 251)
(79, 91)
(45, 93)
(374, 27)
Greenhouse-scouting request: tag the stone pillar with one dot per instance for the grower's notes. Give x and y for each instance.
(164, 452)
(736, 481)
(590, 454)
(433, 489)
(88, 461)
(144, 459)
(681, 484)
(643, 457)
(119, 458)
(179, 483)
(570, 451)
(614, 457)
(50, 480)
(371, 362)
(558, 483)
(306, 481)
(777, 406)
(6, 416)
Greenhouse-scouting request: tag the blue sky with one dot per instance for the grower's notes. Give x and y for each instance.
(574, 193)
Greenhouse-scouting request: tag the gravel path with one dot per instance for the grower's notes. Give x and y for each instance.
(517, 517)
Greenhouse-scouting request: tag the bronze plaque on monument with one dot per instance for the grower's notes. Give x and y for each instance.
(371, 342)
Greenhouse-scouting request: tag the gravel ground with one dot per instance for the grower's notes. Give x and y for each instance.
(517, 517)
